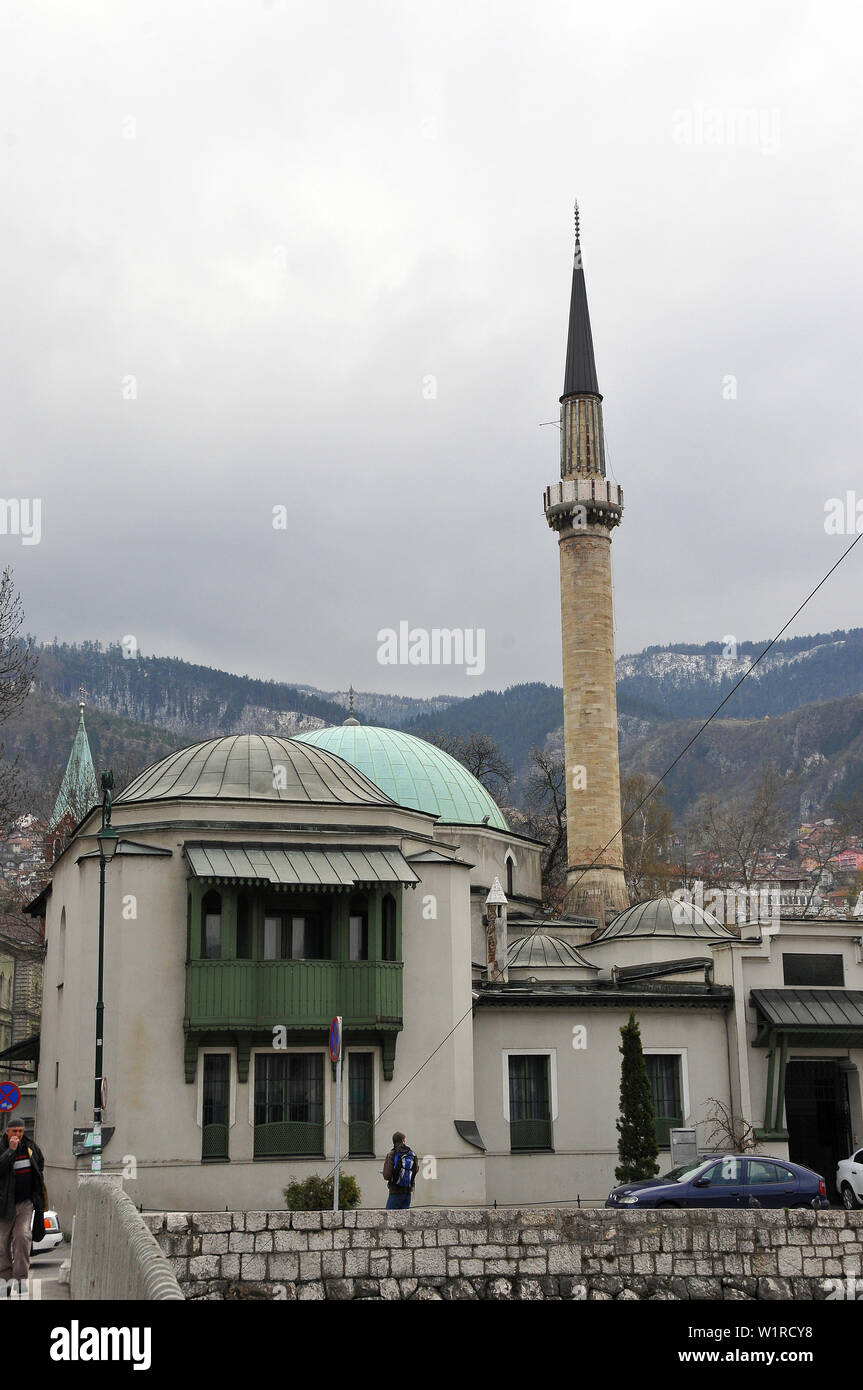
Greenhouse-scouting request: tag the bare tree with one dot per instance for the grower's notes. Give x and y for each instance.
(545, 801)
(480, 755)
(821, 845)
(737, 835)
(17, 664)
(727, 1132)
(647, 830)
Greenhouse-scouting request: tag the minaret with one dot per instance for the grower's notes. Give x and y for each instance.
(584, 508)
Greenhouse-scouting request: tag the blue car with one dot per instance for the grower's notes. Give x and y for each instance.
(727, 1180)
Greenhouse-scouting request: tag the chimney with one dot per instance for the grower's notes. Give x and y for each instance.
(495, 905)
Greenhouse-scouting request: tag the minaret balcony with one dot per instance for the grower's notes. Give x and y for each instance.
(583, 502)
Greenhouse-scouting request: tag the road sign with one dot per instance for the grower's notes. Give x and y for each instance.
(9, 1095)
(335, 1038)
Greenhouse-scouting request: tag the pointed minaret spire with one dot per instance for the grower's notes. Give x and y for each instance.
(583, 509)
(579, 378)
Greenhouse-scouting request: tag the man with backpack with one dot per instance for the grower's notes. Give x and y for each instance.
(400, 1173)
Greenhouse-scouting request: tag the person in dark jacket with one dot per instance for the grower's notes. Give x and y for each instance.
(400, 1196)
(22, 1199)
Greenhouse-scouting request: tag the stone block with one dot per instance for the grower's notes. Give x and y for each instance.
(214, 1244)
(241, 1242)
(402, 1262)
(263, 1242)
(564, 1259)
(209, 1221)
(256, 1221)
(310, 1265)
(790, 1260)
(283, 1266)
(204, 1267)
(307, 1221)
(253, 1267)
(429, 1262)
(290, 1240)
(356, 1262)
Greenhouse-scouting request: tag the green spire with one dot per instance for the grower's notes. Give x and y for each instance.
(79, 789)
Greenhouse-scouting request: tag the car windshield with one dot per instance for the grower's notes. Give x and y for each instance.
(684, 1172)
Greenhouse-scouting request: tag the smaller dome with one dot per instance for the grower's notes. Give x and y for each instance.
(665, 917)
(540, 949)
(254, 767)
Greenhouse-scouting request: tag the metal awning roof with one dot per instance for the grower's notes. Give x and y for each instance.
(298, 866)
(806, 1009)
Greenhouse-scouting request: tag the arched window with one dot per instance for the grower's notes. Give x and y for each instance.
(358, 923)
(388, 926)
(510, 874)
(61, 949)
(211, 913)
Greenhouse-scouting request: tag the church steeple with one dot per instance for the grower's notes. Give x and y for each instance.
(582, 442)
(78, 790)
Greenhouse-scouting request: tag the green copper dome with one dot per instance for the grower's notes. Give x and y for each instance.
(414, 773)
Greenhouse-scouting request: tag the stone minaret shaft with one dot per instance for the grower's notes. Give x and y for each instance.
(584, 508)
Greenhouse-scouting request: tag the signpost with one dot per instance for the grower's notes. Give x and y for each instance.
(336, 1058)
(10, 1095)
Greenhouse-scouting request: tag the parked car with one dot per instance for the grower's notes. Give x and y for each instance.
(849, 1181)
(727, 1180)
(51, 1235)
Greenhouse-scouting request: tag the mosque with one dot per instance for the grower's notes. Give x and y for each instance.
(259, 886)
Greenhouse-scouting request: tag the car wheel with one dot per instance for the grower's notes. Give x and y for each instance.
(849, 1200)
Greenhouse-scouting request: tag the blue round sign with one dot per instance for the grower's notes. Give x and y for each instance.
(335, 1039)
(9, 1095)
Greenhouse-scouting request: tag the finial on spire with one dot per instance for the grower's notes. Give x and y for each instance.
(351, 719)
(576, 260)
(82, 699)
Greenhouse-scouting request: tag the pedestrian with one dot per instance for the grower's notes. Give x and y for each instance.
(400, 1173)
(22, 1200)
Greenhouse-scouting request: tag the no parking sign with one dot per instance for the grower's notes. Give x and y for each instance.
(9, 1095)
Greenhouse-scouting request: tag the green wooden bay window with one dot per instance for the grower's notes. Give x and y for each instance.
(289, 1105)
(264, 955)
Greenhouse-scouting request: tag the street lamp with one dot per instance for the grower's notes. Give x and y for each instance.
(107, 840)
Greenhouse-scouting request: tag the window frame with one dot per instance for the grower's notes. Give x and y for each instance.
(680, 1052)
(232, 1084)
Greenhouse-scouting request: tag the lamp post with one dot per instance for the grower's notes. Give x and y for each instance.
(107, 840)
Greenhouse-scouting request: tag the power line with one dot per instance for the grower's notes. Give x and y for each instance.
(656, 785)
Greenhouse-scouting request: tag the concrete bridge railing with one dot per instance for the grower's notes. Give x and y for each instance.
(114, 1254)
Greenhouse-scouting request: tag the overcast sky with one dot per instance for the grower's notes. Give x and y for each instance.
(319, 256)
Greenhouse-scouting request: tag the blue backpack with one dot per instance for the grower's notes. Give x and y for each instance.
(404, 1167)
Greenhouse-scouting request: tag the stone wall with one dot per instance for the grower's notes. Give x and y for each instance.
(480, 1253)
(114, 1255)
